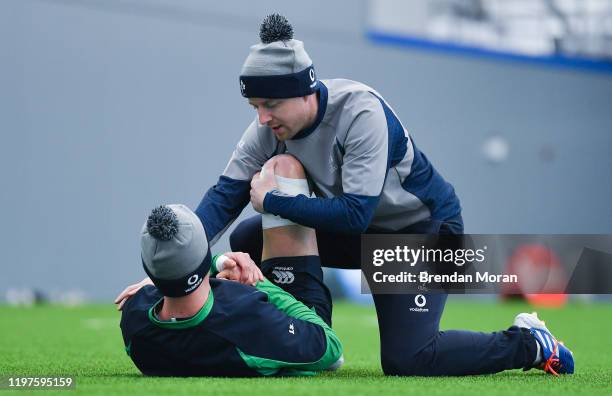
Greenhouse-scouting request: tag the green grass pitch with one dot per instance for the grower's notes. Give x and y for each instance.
(85, 342)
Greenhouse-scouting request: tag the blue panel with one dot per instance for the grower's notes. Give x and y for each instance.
(397, 140)
(425, 183)
(602, 66)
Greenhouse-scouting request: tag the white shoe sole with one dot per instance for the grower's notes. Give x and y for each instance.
(529, 320)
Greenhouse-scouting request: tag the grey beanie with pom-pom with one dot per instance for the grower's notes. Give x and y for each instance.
(174, 250)
(279, 66)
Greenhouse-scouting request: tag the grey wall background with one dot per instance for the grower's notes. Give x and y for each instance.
(109, 108)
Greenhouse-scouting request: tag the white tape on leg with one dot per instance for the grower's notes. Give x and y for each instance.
(291, 187)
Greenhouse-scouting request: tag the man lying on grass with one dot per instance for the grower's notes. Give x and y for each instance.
(184, 321)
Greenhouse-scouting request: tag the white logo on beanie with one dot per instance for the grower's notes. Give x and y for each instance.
(312, 74)
(242, 87)
(194, 281)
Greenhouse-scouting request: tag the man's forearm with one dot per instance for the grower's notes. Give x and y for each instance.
(348, 213)
(221, 204)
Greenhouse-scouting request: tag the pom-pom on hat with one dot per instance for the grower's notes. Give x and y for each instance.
(174, 250)
(279, 66)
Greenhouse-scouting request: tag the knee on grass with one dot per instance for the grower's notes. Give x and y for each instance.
(397, 364)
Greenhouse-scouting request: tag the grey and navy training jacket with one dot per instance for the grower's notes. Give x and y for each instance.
(241, 331)
(365, 168)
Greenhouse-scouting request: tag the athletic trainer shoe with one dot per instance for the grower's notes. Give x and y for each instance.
(556, 358)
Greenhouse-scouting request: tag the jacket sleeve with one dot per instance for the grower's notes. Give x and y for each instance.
(224, 201)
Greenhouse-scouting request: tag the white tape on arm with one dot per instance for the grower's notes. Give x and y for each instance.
(220, 263)
(291, 187)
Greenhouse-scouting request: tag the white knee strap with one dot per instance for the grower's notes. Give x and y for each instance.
(288, 186)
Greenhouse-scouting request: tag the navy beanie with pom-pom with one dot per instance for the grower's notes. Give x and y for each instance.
(279, 66)
(174, 250)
